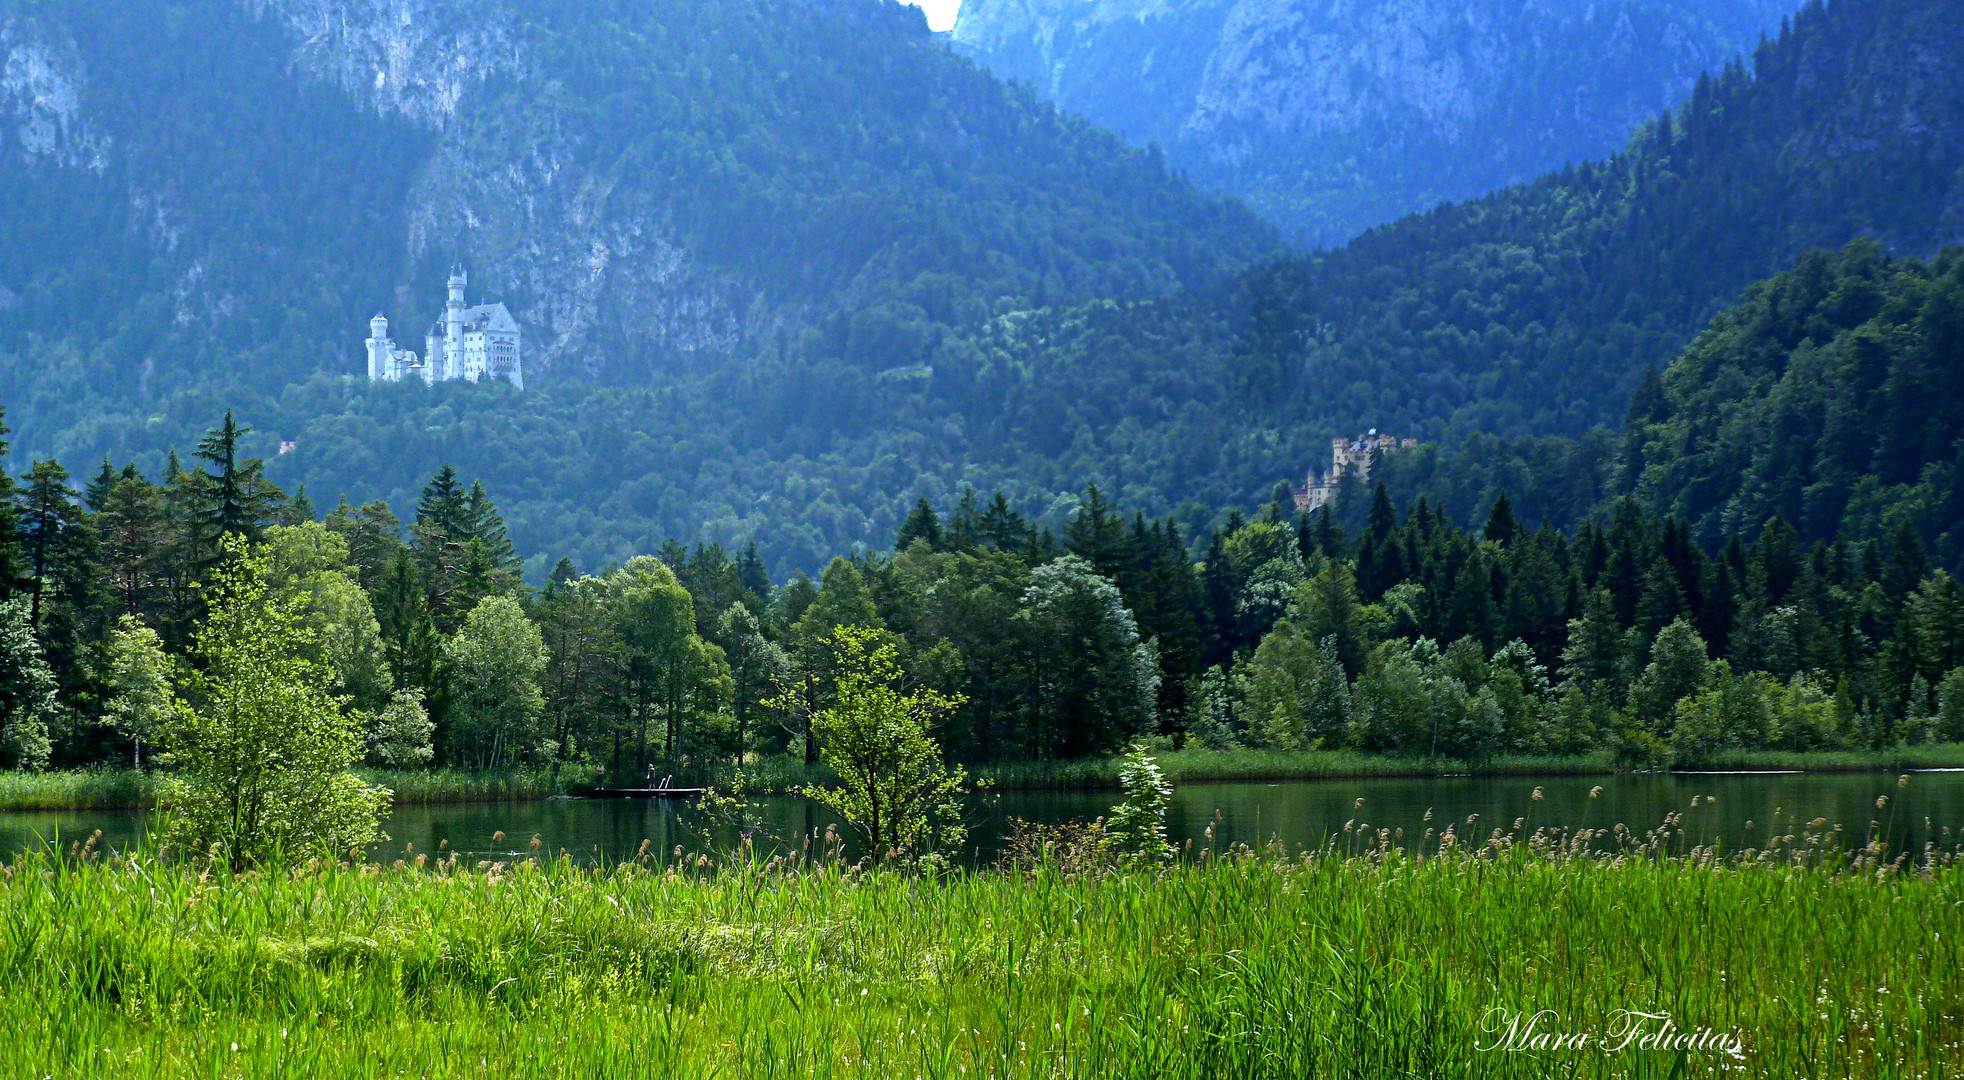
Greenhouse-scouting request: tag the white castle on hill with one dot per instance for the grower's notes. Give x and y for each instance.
(476, 343)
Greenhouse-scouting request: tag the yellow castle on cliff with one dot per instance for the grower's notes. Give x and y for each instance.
(1348, 457)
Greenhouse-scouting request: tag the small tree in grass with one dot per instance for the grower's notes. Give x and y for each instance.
(1137, 826)
(895, 791)
(260, 742)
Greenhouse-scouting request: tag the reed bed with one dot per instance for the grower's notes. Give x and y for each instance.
(127, 789)
(1375, 956)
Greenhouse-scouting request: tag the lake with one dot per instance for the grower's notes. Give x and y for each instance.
(1928, 808)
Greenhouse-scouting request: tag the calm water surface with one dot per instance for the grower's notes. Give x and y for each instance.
(1930, 807)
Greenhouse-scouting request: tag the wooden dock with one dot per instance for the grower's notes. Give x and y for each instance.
(645, 793)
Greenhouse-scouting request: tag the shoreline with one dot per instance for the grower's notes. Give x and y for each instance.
(127, 790)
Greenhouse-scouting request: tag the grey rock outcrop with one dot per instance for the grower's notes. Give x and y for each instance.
(1332, 116)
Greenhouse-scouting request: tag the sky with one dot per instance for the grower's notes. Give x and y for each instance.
(940, 13)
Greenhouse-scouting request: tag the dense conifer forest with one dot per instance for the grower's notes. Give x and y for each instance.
(1409, 636)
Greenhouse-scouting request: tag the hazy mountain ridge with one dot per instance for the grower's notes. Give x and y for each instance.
(1333, 117)
(1530, 314)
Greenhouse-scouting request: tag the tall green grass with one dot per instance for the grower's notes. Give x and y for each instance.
(1362, 960)
(126, 789)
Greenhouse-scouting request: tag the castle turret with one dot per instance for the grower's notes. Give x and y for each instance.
(380, 348)
(453, 336)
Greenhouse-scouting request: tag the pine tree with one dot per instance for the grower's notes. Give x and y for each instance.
(135, 538)
(1096, 534)
(1002, 528)
(755, 577)
(14, 576)
(441, 541)
(240, 500)
(49, 522)
(96, 494)
(1380, 564)
(28, 705)
(1501, 526)
(408, 633)
(965, 525)
(374, 537)
(922, 524)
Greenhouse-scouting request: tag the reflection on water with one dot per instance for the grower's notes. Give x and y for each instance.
(1929, 808)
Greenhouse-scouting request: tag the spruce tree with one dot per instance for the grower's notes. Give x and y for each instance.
(1096, 534)
(1501, 526)
(755, 577)
(239, 499)
(922, 524)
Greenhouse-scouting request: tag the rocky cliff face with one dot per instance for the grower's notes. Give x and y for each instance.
(416, 58)
(647, 187)
(1335, 115)
(595, 275)
(41, 98)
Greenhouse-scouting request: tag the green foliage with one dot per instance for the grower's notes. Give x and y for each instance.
(491, 670)
(1136, 827)
(27, 691)
(1827, 397)
(1950, 708)
(1678, 669)
(1095, 682)
(400, 736)
(310, 560)
(258, 742)
(894, 787)
(138, 684)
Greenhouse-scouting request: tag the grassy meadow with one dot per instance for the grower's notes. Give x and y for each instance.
(1371, 958)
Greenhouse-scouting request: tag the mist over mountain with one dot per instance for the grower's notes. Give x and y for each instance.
(1331, 118)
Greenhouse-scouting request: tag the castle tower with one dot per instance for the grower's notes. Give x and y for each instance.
(453, 337)
(380, 348)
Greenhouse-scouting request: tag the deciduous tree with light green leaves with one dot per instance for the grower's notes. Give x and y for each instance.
(1137, 826)
(27, 690)
(493, 664)
(260, 742)
(137, 678)
(895, 789)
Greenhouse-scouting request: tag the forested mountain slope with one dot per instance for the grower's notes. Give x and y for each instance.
(1332, 118)
(1833, 396)
(1530, 313)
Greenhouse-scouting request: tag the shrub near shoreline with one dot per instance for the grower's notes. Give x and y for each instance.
(1373, 957)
